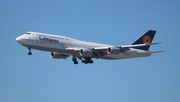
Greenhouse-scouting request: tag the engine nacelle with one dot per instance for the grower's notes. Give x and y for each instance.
(113, 50)
(58, 55)
(85, 53)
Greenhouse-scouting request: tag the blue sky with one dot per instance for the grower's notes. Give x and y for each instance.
(38, 78)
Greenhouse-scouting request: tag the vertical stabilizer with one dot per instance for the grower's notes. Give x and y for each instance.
(145, 39)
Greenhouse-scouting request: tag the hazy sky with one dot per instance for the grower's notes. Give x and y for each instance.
(38, 78)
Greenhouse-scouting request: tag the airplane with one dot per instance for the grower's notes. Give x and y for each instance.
(62, 47)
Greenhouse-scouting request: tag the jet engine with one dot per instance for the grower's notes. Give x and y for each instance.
(58, 55)
(113, 50)
(85, 53)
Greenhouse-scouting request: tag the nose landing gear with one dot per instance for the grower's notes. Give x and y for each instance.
(29, 53)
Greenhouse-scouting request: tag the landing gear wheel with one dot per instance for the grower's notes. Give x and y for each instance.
(74, 59)
(29, 53)
(75, 62)
(87, 61)
(91, 61)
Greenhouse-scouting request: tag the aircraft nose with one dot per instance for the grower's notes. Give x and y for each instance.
(18, 39)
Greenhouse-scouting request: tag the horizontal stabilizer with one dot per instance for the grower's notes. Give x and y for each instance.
(151, 52)
(157, 51)
(126, 47)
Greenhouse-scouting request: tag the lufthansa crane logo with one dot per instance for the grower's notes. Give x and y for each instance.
(146, 39)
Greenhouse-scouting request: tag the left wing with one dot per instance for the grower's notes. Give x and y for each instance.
(124, 48)
(102, 51)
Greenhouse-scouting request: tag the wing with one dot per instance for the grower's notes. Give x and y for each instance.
(97, 52)
(123, 48)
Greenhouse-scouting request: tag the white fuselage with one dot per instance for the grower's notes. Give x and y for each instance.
(63, 45)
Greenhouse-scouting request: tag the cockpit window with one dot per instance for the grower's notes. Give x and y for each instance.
(27, 33)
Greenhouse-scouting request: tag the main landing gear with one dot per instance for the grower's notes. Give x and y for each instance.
(29, 53)
(74, 59)
(85, 61)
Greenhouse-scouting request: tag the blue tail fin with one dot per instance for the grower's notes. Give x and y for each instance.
(145, 39)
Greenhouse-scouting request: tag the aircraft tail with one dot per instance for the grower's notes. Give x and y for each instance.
(145, 39)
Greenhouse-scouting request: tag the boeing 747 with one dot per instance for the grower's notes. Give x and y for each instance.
(61, 47)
